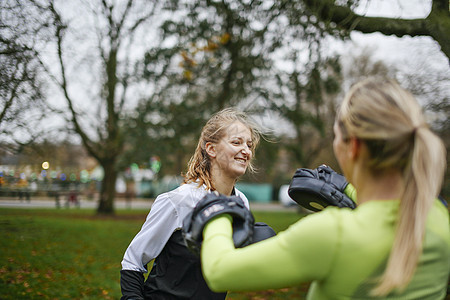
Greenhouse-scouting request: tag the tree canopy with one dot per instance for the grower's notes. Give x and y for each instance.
(137, 79)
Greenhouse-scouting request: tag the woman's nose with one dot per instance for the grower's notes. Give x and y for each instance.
(246, 150)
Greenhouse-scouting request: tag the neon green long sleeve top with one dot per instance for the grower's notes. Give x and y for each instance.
(340, 251)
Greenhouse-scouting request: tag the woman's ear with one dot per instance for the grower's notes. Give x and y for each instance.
(210, 149)
(354, 148)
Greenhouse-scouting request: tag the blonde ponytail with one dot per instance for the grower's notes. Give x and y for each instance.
(423, 181)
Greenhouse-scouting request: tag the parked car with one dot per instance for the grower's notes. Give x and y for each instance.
(284, 197)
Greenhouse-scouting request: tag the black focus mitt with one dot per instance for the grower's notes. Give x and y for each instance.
(315, 189)
(210, 206)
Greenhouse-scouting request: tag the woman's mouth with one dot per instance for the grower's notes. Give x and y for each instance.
(241, 160)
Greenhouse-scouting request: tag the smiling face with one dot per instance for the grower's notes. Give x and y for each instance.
(231, 156)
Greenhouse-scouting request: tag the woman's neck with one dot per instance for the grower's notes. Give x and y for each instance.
(224, 189)
(224, 185)
(381, 186)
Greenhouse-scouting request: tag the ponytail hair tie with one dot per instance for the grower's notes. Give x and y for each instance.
(416, 128)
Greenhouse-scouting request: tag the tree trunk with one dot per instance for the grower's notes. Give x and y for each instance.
(108, 189)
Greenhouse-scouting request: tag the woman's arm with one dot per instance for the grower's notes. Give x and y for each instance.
(146, 245)
(302, 253)
(350, 191)
(161, 222)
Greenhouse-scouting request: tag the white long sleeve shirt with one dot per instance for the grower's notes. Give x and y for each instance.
(166, 216)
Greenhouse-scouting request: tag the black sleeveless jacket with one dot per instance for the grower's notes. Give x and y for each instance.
(176, 274)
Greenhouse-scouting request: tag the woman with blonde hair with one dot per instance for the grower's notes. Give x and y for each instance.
(394, 245)
(225, 151)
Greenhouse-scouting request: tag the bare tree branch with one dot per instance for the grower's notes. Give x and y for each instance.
(60, 28)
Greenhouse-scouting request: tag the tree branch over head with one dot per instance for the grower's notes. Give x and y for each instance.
(436, 24)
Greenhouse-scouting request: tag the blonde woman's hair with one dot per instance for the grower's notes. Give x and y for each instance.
(199, 166)
(391, 123)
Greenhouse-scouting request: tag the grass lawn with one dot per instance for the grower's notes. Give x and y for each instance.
(73, 254)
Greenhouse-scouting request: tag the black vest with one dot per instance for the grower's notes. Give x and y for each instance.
(176, 274)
